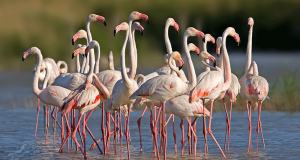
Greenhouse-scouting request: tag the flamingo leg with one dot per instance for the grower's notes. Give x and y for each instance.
(72, 126)
(37, 117)
(139, 125)
(227, 119)
(127, 132)
(53, 124)
(108, 130)
(155, 131)
(174, 135)
(210, 131)
(189, 138)
(115, 134)
(229, 123)
(194, 125)
(62, 131)
(164, 136)
(205, 131)
(151, 125)
(262, 136)
(121, 134)
(68, 134)
(182, 140)
(250, 128)
(46, 115)
(67, 120)
(89, 131)
(103, 129)
(195, 141)
(74, 134)
(44, 119)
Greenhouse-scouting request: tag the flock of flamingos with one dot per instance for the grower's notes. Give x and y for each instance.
(165, 91)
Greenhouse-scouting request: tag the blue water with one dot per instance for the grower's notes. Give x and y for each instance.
(18, 114)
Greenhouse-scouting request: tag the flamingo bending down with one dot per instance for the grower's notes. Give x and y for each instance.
(143, 103)
(85, 98)
(207, 38)
(62, 70)
(230, 94)
(164, 87)
(212, 84)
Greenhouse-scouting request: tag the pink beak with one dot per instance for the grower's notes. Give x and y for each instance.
(199, 34)
(180, 63)
(237, 38)
(197, 50)
(101, 19)
(176, 26)
(25, 54)
(74, 38)
(143, 17)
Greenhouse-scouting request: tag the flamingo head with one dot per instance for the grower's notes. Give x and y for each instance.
(193, 47)
(173, 23)
(32, 50)
(205, 55)
(194, 32)
(219, 44)
(95, 17)
(250, 21)
(80, 34)
(138, 26)
(80, 50)
(135, 15)
(177, 57)
(123, 26)
(91, 45)
(233, 34)
(209, 38)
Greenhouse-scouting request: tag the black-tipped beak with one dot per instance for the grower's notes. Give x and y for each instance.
(148, 21)
(114, 32)
(73, 42)
(104, 23)
(142, 32)
(239, 43)
(73, 55)
(180, 67)
(23, 58)
(215, 64)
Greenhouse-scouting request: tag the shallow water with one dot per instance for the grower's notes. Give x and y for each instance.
(18, 114)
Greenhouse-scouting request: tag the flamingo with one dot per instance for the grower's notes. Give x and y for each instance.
(72, 81)
(51, 95)
(212, 84)
(85, 63)
(143, 103)
(231, 93)
(80, 52)
(249, 91)
(164, 87)
(86, 98)
(207, 38)
(62, 70)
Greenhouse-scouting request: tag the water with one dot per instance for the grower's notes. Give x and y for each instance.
(18, 114)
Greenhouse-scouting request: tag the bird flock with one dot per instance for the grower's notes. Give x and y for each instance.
(166, 91)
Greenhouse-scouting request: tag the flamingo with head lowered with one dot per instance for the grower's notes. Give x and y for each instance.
(164, 87)
(85, 63)
(213, 83)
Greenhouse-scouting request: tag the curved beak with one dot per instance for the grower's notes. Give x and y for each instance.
(212, 59)
(144, 17)
(176, 26)
(75, 53)
(180, 63)
(218, 52)
(25, 54)
(117, 29)
(237, 38)
(197, 50)
(101, 19)
(141, 29)
(74, 38)
(87, 49)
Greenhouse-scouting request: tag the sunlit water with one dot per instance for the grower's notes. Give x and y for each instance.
(18, 114)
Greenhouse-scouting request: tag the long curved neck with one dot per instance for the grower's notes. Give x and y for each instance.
(86, 60)
(174, 68)
(35, 85)
(78, 69)
(122, 60)
(92, 54)
(47, 77)
(227, 69)
(249, 49)
(98, 59)
(134, 46)
(132, 57)
(168, 43)
(205, 49)
(221, 60)
(101, 88)
(191, 69)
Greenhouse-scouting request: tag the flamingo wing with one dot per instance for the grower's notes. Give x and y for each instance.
(88, 97)
(70, 81)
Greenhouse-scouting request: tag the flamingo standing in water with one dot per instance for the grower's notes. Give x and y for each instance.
(86, 98)
(245, 88)
(230, 94)
(164, 87)
(212, 84)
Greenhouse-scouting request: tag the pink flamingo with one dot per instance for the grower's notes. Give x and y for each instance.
(85, 98)
(231, 93)
(212, 84)
(164, 87)
(207, 38)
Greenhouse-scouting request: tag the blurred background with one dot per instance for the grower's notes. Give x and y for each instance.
(50, 25)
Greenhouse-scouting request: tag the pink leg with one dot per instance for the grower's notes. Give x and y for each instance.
(262, 136)
(46, 114)
(229, 123)
(209, 129)
(151, 127)
(115, 134)
(174, 135)
(84, 135)
(74, 135)
(121, 134)
(182, 140)
(189, 138)
(226, 123)
(139, 125)
(195, 141)
(250, 128)
(155, 132)
(72, 126)
(68, 134)
(205, 132)
(164, 132)
(194, 128)
(62, 131)
(127, 132)
(103, 129)
(37, 117)
(67, 120)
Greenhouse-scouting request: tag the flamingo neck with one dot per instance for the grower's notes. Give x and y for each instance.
(78, 69)
(205, 49)
(98, 58)
(249, 49)
(168, 43)
(92, 54)
(101, 88)
(173, 67)
(47, 77)
(122, 60)
(227, 69)
(35, 85)
(132, 57)
(190, 65)
(221, 64)
(86, 60)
